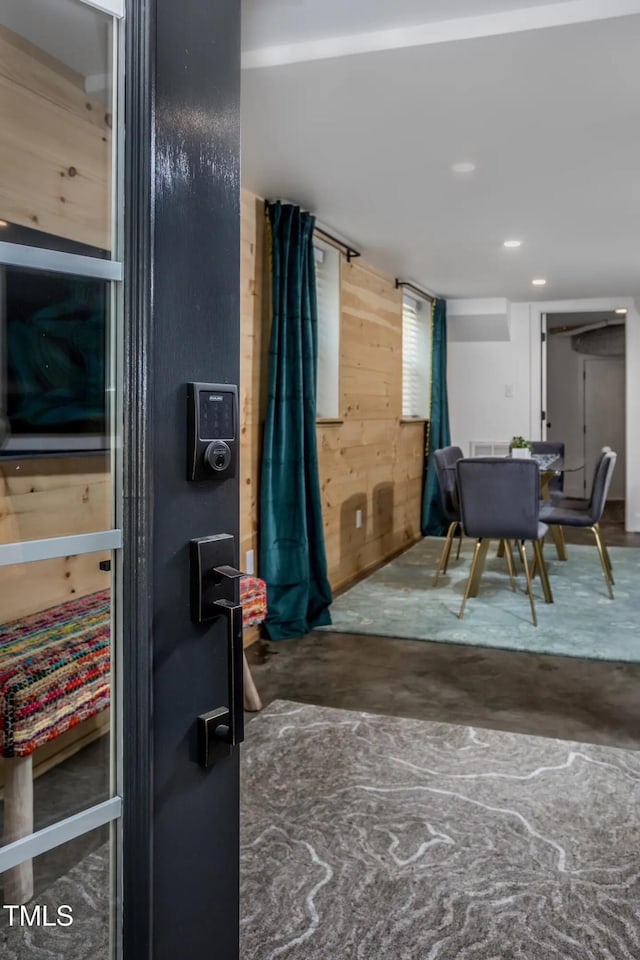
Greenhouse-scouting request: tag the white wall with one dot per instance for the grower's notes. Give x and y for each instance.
(479, 372)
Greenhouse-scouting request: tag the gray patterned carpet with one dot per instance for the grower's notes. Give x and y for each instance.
(86, 889)
(399, 601)
(377, 838)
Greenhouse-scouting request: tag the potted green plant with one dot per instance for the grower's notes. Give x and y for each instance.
(520, 448)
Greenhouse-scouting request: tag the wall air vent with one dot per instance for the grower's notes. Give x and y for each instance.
(489, 448)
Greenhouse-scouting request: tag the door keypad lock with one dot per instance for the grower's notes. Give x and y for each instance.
(212, 427)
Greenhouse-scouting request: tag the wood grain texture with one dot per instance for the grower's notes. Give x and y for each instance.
(370, 461)
(55, 150)
(254, 346)
(18, 822)
(52, 497)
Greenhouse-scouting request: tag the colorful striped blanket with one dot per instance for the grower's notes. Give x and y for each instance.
(55, 666)
(253, 597)
(54, 672)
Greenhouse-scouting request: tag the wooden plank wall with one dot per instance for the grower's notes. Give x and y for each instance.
(55, 154)
(254, 346)
(370, 460)
(52, 497)
(55, 149)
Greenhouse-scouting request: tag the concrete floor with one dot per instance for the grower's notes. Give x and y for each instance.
(588, 700)
(563, 697)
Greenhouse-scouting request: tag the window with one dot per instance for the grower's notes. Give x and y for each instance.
(327, 260)
(416, 357)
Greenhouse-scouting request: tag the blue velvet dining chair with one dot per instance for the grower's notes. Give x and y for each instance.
(588, 513)
(500, 500)
(579, 503)
(444, 461)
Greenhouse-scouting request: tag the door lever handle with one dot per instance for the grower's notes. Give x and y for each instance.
(225, 572)
(232, 731)
(214, 594)
(221, 729)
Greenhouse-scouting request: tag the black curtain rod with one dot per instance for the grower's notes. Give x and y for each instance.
(350, 252)
(416, 290)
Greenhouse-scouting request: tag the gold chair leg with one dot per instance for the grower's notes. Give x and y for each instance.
(544, 575)
(477, 573)
(558, 538)
(479, 548)
(603, 560)
(460, 536)
(605, 550)
(556, 532)
(525, 564)
(510, 565)
(446, 550)
(450, 534)
(500, 552)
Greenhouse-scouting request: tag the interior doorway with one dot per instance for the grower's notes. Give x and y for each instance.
(603, 382)
(585, 407)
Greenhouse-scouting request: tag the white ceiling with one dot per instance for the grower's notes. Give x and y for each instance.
(268, 23)
(549, 116)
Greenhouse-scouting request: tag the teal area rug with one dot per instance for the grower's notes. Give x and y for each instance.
(399, 601)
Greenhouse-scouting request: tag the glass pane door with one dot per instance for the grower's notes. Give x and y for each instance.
(59, 456)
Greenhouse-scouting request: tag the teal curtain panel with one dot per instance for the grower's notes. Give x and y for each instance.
(292, 551)
(438, 432)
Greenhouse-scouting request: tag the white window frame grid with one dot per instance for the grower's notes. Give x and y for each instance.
(416, 357)
(37, 258)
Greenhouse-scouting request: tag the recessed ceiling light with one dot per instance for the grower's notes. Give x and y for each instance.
(512, 243)
(538, 282)
(622, 310)
(465, 166)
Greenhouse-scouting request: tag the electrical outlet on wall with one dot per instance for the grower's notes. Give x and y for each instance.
(248, 562)
(508, 391)
(358, 519)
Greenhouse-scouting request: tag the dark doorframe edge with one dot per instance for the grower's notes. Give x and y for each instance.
(137, 594)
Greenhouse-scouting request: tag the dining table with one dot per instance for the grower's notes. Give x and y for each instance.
(550, 465)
